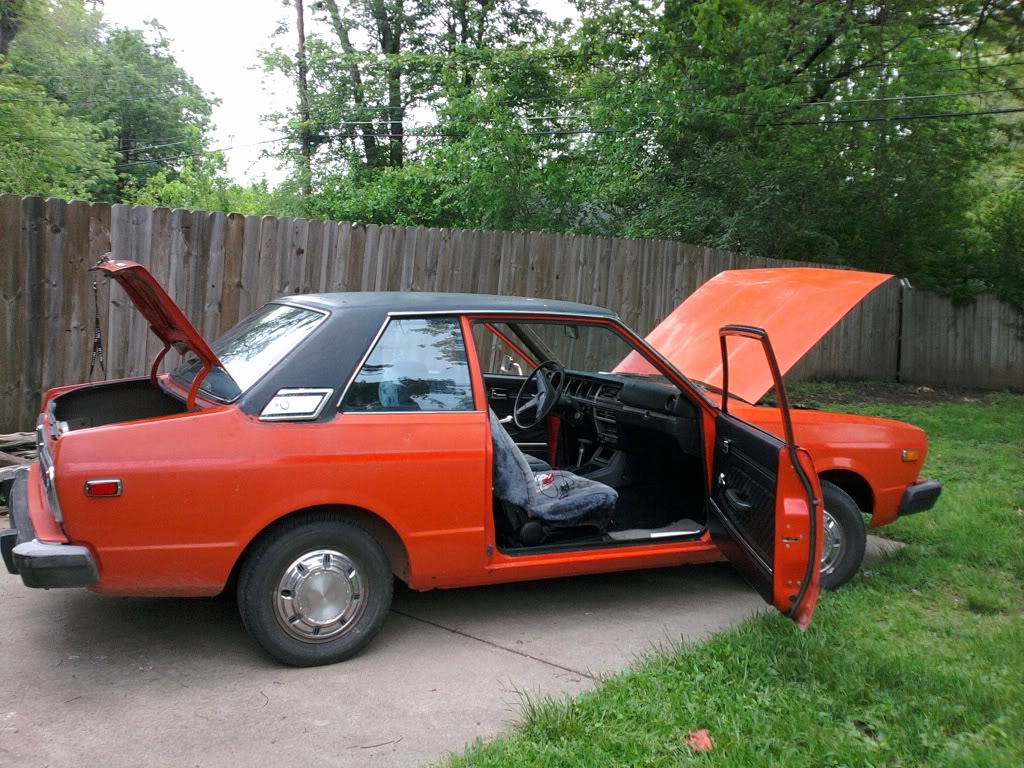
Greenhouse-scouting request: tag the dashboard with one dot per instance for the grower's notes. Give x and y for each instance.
(626, 412)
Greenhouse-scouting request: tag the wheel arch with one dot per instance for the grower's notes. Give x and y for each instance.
(855, 486)
(377, 526)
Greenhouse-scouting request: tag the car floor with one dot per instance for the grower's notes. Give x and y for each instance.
(92, 680)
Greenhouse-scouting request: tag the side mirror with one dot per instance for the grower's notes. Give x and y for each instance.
(508, 365)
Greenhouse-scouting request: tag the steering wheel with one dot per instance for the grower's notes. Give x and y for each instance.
(549, 379)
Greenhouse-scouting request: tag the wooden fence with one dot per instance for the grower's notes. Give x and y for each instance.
(219, 267)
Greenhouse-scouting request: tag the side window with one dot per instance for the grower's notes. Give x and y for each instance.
(418, 365)
(494, 353)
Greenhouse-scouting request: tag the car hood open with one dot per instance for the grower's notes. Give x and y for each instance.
(797, 306)
(163, 315)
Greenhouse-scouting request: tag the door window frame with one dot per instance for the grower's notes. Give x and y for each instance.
(471, 364)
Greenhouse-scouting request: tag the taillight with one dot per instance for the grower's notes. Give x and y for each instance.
(105, 487)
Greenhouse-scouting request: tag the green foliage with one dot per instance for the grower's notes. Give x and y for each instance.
(201, 185)
(918, 661)
(783, 129)
(72, 161)
(999, 235)
(91, 110)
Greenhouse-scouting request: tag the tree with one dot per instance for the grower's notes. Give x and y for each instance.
(119, 85)
(201, 185)
(45, 152)
(360, 99)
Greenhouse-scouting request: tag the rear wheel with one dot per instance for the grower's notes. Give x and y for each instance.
(845, 537)
(315, 590)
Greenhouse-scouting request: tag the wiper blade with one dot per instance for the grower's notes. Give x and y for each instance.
(717, 390)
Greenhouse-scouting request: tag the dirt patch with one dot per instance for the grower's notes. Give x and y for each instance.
(884, 392)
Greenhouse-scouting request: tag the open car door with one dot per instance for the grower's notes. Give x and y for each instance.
(764, 511)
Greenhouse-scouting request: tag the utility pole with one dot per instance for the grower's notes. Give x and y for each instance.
(305, 131)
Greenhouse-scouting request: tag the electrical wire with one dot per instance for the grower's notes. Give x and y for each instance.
(900, 118)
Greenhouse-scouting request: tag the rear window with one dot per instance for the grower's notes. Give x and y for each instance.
(250, 349)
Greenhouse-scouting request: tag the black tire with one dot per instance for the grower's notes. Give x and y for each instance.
(260, 577)
(850, 520)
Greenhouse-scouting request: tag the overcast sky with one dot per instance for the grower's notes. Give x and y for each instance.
(216, 42)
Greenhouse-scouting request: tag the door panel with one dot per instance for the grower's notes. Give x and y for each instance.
(764, 510)
(745, 466)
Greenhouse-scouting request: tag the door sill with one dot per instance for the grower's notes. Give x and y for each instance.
(605, 542)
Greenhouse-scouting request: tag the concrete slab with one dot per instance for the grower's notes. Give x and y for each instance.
(125, 681)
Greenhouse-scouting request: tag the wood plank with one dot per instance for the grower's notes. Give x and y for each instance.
(179, 235)
(54, 341)
(368, 279)
(234, 244)
(213, 284)
(442, 273)
(100, 226)
(408, 258)
(312, 258)
(141, 235)
(160, 266)
(296, 256)
(338, 275)
(195, 268)
(249, 278)
(12, 285)
(266, 274)
(420, 268)
(328, 241)
(357, 258)
(34, 253)
(282, 264)
(77, 299)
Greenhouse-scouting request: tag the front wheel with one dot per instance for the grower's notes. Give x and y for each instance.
(845, 537)
(315, 590)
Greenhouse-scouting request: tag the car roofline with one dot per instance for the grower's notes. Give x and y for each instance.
(431, 303)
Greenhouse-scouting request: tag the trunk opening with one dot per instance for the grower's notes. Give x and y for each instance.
(113, 403)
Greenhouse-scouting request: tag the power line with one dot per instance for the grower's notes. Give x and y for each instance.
(196, 154)
(921, 97)
(900, 118)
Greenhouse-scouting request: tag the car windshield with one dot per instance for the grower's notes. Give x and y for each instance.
(250, 349)
(578, 346)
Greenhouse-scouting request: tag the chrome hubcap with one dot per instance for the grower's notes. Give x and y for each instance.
(833, 546)
(319, 596)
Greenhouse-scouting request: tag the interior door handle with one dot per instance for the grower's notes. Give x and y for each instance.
(506, 420)
(735, 500)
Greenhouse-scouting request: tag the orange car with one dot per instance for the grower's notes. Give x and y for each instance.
(330, 442)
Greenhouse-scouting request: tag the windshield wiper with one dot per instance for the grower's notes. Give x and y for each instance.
(717, 390)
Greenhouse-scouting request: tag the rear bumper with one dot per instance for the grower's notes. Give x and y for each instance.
(41, 564)
(919, 497)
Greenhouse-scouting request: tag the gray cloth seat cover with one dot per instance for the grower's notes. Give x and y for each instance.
(554, 497)
(536, 465)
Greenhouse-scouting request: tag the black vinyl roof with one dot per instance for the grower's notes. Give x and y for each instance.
(385, 302)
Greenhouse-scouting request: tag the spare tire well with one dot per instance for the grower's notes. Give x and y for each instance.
(855, 486)
(377, 526)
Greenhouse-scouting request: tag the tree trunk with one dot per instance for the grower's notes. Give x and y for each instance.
(10, 11)
(341, 29)
(303, 71)
(389, 34)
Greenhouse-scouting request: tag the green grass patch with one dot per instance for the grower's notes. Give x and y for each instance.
(918, 661)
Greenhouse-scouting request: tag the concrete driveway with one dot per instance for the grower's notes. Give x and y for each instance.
(91, 680)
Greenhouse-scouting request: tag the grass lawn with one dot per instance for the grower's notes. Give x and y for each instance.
(919, 661)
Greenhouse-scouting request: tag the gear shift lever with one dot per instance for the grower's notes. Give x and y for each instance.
(584, 445)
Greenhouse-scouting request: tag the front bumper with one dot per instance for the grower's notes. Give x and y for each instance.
(41, 564)
(919, 497)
